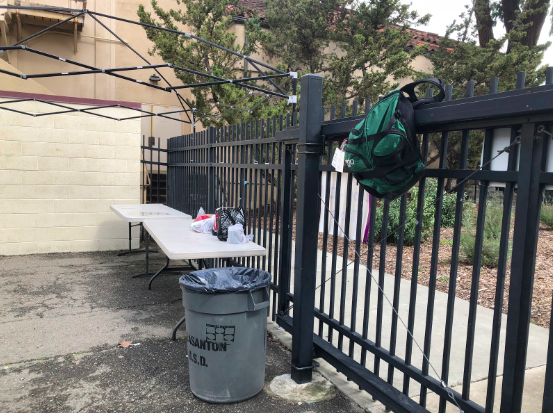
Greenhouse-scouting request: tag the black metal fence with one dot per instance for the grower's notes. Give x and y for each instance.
(391, 336)
(241, 165)
(153, 185)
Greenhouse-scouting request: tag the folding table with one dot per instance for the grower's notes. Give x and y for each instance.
(136, 214)
(179, 242)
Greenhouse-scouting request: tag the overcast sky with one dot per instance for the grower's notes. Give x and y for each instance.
(444, 12)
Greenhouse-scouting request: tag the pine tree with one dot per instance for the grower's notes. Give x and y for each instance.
(299, 33)
(468, 52)
(360, 47)
(370, 55)
(210, 20)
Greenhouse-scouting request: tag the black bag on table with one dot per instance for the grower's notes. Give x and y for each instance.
(227, 217)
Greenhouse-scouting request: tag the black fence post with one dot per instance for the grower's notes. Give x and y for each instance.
(309, 156)
(286, 228)
(211, 172)
(547, 405)
(525, 241)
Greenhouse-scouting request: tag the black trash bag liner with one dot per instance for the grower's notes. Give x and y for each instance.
(225, 280)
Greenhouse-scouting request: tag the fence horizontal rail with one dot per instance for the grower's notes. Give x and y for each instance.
(154, 163)
(247, 142)
(393, 360)
(524, 102)
(396, 362)
(260, 141)
(460, 174)
(496, 110)
(154, 149)
(231, 165)
(499, 176)
(389, 396)
(546, 178)
(190, 148)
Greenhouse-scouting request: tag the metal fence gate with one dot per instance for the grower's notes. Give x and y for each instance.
(343, 308)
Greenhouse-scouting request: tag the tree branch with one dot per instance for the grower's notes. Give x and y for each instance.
(484, 22)
(535, 20)
(509, 8)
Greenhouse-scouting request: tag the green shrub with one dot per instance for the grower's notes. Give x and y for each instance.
(448, 210)
(394, 224)
(547, 215)
(492, 233)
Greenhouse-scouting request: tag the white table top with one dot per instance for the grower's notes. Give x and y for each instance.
(141, 212)
(179, 242)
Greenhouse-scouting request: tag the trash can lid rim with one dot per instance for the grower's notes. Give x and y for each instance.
(225, 280)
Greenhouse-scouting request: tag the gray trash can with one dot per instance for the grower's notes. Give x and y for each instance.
(226, 325)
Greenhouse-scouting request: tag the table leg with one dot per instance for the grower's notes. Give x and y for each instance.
(157, 273)
(174, 336)
(131, 251)
(147, 250)
(130, 237)
(147, 247)
(201, 264)
(130, 243)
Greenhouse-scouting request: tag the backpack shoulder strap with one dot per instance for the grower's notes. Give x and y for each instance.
(380, 171)
(357, 133)
(410, 90)
(363, 139)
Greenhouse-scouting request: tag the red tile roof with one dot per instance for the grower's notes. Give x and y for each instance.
(422, 38)
(258, 5)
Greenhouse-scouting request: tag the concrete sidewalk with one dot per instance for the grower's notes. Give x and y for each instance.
(61, 318)
(537, 350)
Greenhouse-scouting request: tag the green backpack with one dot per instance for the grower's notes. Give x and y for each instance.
(382, 151)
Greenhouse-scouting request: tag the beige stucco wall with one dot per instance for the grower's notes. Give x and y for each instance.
(58, 177)
(96, 47)
(14, 84)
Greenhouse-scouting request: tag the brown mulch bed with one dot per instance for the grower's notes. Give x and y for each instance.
(543, 282)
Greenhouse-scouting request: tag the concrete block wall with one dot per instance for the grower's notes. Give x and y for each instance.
(59, 175)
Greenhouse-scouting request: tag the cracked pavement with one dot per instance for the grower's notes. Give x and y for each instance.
(61, 318)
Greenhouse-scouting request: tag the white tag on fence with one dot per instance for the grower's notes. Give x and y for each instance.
(338, 160)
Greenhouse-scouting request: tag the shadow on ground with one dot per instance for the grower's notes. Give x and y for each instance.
(152, 377)
(61, 318)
